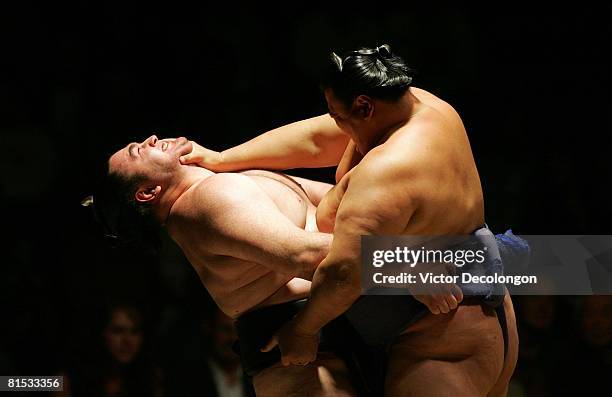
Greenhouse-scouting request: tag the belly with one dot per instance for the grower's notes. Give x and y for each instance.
(239, 286)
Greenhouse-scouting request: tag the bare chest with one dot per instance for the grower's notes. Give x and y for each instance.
(286, 193)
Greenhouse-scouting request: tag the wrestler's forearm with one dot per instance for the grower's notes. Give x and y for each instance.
(311, 143)
(335, 287)
(310, 254)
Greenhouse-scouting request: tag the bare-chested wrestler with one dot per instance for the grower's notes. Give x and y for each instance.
(252, 239)
(405, 166)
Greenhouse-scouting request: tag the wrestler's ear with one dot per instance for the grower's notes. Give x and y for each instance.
(147, 193)
(364, 107)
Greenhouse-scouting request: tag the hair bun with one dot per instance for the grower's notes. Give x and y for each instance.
(336, 60)
(88, 201)
(384, 51)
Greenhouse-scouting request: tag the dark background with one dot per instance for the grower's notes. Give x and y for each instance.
(532, 86)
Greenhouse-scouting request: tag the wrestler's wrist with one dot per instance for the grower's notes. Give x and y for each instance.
(303, 329)
(214, 161)
(219, 158)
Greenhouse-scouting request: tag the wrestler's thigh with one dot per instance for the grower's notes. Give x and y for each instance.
(327, 376)
(431, 378)
(459, 353)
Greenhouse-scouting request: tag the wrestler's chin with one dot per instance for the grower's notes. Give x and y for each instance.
(182, 146)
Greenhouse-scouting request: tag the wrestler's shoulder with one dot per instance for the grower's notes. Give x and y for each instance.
(223, 188)
(205, 205)
(421, 142)
(379, 168)
(394, 167)
(387, 159)
(432, 100)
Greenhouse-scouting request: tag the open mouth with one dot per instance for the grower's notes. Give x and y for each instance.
(164, 146)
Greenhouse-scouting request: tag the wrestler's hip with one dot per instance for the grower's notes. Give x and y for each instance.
(255, 329)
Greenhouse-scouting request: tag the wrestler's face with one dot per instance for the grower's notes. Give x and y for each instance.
(155, 159)
(350, 119)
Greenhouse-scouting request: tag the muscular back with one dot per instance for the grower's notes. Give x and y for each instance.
(214, 222)
(447, 191)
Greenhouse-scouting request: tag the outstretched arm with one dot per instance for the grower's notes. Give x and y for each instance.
(311, 143)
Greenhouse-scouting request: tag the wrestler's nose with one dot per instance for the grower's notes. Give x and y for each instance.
(152, 140)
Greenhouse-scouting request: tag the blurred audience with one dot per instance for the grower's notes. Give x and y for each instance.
(216, 371)
(223, 363)
(588, 360)
(118, 364)
(539, 337)
(564, 346)
(565, 349)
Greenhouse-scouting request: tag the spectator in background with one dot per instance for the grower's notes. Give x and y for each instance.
(538, 353)
(224, 363)
(561, 357)
(117, 365)
(596, 323)
(587, 365)
(216, 370)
